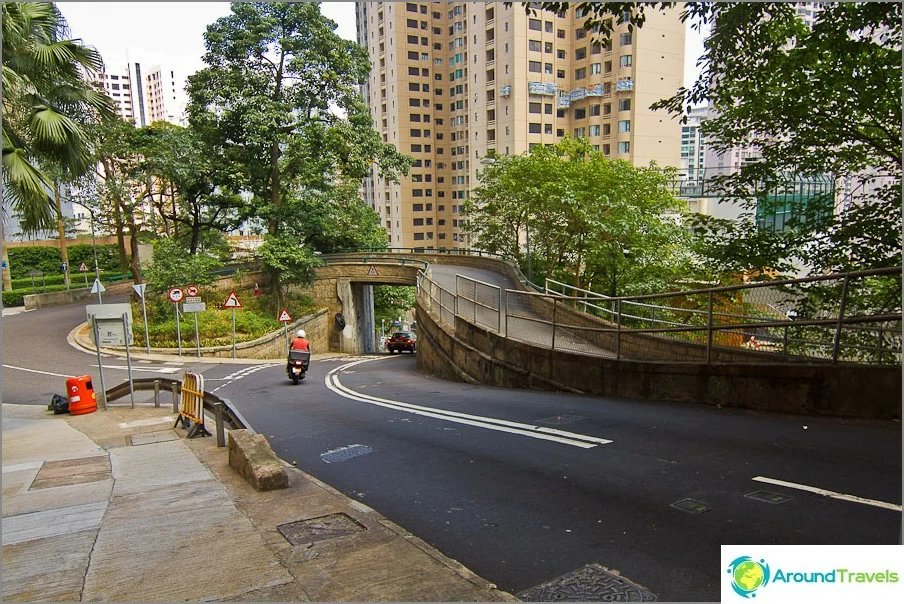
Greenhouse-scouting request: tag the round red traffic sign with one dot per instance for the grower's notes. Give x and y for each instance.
(176, 294)
(192, 290)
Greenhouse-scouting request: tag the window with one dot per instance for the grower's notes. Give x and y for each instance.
(580, 74)
(624, 147)
(594, 110)
(534, 66)
(580, 34)
(534, 128)
(547, 128)
(560, 73)
(415, 148)
(414, 71)
(418, 222)
(580, 53)
(594, 130)
(560, 132)
(560, 33)
(412, 39)
(547, 26)
(415, 133)
(534, 45)
(547, 68)
(625, 39)
(580, 132)
(534, 24)
(413, 103)
(608, 67)
(534, 107)
(607, 108)
(412, 55)
(580, 114)
(595, 48)
(418, 236)
(595, 69)
(491, 55)
(607, 129)
(624, 126)
(560, 54)
(607, 149)
(625, 61)
(624, 104)
(412, 23)
(547, 47)
(410, 7)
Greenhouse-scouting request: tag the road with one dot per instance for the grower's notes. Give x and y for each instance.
(465, 467)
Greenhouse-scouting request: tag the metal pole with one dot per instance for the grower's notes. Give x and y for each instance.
(233, 333)
(197, 337)
(178, 333)
(144, 313)
(86, 278)
(126, 329)
(879, 346)
(156, 394)
(286, 329)
(785, 342)
(837, 344)
(100, 367)
(709, 330)
(94, 248)
(221, 432)
(555, 302)
(618, 331)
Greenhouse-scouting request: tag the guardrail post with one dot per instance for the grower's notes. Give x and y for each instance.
(837, 343)
(221, 433)
(175, 399)
(709, 330)
(157, 393)
(618, 332)
(554, 306)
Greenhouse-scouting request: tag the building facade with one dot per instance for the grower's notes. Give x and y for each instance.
(454, 83)
(144, 93)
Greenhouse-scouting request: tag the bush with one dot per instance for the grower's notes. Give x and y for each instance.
(16, 297)
(47, 259)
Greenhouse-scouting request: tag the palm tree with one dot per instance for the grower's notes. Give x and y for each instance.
(47, 98)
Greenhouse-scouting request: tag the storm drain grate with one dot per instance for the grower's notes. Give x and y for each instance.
(768, 497)
(320, 529)
(691, 506)
(345, 453)
(559, 420)
(591, 583)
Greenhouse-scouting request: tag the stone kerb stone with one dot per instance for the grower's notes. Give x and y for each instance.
(252, 457)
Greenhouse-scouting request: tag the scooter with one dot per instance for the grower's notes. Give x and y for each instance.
(298, 363)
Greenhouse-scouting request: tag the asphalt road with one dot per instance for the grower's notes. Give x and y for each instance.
(466, 469)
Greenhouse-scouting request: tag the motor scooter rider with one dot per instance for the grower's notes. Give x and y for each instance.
(301, 342)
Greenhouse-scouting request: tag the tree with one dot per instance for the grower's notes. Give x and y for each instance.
(173, 266)
(813, 101)
(588, 220)
(46, 100)
(188, 183)
(277, 77)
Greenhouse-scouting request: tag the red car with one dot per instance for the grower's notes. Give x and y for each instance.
(400, 341)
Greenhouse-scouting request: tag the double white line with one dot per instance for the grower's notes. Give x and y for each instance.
(543, 433)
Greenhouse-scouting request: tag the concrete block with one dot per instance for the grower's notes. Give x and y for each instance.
(252, 457)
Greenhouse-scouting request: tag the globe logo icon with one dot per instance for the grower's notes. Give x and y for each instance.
(748, 575)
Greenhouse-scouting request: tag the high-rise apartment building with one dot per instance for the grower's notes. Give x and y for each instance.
(454, 83)
(144, 93)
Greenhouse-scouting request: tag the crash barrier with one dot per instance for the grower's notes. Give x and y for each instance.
(191, 411)
(226, 416)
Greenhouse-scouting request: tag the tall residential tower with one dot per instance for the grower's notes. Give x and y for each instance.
(454, 83)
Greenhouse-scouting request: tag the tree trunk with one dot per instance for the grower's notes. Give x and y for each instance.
(110, 178)
(134, 262)
(7, 282)
(61, 228)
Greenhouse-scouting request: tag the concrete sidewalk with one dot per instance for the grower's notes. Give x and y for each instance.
(117, 505)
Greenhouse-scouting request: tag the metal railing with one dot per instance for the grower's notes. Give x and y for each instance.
(848, 317)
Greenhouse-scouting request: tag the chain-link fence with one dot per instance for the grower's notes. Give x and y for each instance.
(852, 317)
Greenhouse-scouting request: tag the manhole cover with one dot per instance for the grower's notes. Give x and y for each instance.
(72, 471)
(345, 453)
(768, 497)
(559, 420)
(152, 437)
(691, 506)
(320, 529)
(591, 583)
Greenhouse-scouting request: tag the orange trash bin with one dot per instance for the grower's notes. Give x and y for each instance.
(81, 395)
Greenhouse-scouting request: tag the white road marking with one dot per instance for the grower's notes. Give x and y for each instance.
(827, 493)
(540, 432)
(164, 370)
(37, 371)
(237, 375)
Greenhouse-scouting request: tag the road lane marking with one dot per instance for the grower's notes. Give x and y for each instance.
(827, 493)
(237, 375)
(37, 371)
(540, 432)
(164, 370)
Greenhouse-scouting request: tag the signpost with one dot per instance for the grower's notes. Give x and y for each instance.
(139, 289)
(40, 274)
(232, 302)
(110, 323)
(175, 295)
(285, 318)
(194, 305)
(98, 288)
(83, 268)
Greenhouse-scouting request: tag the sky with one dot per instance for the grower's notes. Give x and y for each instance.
(173, 32)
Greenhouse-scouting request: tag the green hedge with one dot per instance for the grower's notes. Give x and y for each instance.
(16, 297)
(47, 259)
